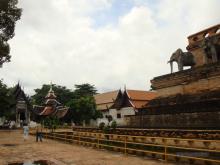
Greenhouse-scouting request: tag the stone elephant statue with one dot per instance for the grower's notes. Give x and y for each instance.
(182, 59)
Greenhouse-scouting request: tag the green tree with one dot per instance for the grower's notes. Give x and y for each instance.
(7, 101)
(83, 109)
(84, 90)
(63, 94)
(83, 106)
(51, 122)
(9, 14)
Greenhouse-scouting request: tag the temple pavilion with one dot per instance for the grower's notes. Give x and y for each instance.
(51, 107)
(23, 112)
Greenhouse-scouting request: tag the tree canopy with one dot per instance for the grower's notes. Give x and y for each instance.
(9, 14)
(82, 109)
(63, 94)
(82, 105)
(84, 90)
(7, 100)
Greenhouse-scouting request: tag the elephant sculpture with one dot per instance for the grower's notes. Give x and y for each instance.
(182, 59)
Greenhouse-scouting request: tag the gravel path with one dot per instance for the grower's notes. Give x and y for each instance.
(14, 149)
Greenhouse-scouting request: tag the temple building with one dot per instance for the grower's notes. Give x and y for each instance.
(118, 104)
(22, 106)
(51, 107)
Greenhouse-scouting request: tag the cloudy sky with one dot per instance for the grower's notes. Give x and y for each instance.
(107, 43)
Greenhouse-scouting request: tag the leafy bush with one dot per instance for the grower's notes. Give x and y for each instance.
(101, 125)
(113, 125)
(106, 129)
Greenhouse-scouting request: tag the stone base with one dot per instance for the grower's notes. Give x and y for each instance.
(197, 120)
(191, 81)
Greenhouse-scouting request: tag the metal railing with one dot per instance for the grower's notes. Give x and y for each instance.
(123, 143)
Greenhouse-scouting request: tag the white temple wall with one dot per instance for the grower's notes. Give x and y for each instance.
(117, 115)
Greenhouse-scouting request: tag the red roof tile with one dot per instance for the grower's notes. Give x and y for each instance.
(47, 111)
(141, 95)
(105, 100)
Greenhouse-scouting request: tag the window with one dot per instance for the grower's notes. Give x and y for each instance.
(118, 115)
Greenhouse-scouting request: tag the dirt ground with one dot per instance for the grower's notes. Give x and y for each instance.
(13, 148)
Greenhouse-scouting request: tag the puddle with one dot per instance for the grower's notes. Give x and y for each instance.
(37, 162)
(8, 145)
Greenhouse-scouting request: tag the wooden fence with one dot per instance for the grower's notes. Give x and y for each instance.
(174, 149)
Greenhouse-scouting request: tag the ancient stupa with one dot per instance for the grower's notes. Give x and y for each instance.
(188, 98)
(51, 106)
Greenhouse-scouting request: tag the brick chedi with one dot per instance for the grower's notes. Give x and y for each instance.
(190, 98)
(206, 73)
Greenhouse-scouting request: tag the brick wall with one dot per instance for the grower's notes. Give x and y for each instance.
(180, 120)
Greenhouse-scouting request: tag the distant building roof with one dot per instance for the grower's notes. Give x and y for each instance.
(139, 98)
(117, 99)
(141, 95)
(105, 100)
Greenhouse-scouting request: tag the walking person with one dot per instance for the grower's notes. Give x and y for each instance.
(26, 131)
(39, 133)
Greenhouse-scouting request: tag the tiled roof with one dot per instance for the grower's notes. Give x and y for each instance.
(61, 112)
(139, 99)
(141, 95)
(139, 104)
(47, 111)
(52, 106)
(38, 109)
(52, 102)
(105, 99)
(104, 106)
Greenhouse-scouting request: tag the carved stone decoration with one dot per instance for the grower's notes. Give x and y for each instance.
(210, 47)
(182, 59)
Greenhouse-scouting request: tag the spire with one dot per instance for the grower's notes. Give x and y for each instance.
(50, 94)
(51, 87)
(125, 87)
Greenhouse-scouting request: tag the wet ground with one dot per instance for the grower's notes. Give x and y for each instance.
(13, 149)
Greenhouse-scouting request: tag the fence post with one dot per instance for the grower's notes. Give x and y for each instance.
(165, 152)
(125, 145)
(79, 138)
(73, 138)
(65, 137)
(45, 133)
(98, 141)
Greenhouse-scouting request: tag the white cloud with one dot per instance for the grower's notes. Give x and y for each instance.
(55, 40)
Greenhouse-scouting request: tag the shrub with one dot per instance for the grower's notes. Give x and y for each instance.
(113, 125)
(101, 125)
(106, 129)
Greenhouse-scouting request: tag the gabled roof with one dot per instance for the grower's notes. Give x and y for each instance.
(141, 95)
(59, 111)
(52, 106)
(106, 100)
(19, 94)
(139, 99)
(130, 98)
(47, 111)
